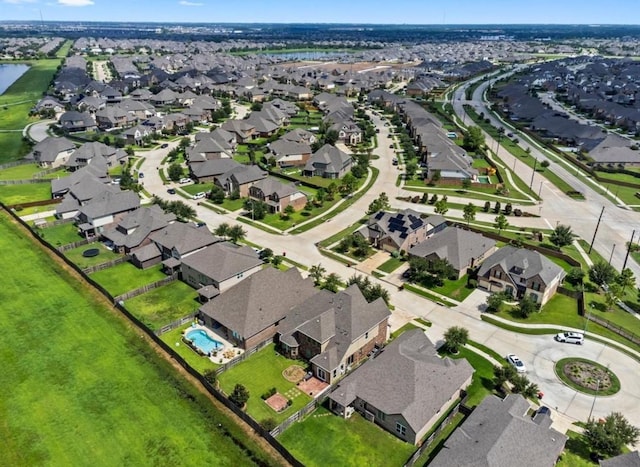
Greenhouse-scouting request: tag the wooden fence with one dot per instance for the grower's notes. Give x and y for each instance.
(48, 224)
(146, 288)
(26, 181)
(615, 328)
(171, 353)
(176, 324)
(106, 265)
(243, 356)
(303, 412)
(8, 165)
(71, 246)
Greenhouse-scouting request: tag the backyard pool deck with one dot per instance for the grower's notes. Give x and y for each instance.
(229, 350)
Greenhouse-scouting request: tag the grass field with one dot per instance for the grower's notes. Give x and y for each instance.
(259, 373)
(163, 305)
(27, 171)
(80, 387)
(105, 255)
(324, 439)
(16, 194)
(125, 277)
(19, 99)
(62, 234)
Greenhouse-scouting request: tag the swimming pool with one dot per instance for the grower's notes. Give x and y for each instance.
(483, 179)
(201, 339)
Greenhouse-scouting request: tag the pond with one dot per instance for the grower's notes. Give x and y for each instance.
(9, 73)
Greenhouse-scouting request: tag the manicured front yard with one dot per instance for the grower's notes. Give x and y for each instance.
(324, 439)
(105, 255)
(456, 290)
(391, 265)
(259, 373)
(62, 234)
(79, 386)
(482, 383)
(576, 452)
(125, 277)
(164, 305)
(194, 188)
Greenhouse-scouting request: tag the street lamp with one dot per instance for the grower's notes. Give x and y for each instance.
(594, 399)
(612, 250)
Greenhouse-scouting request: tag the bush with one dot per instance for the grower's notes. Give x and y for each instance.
(268, 394)
(268, 424)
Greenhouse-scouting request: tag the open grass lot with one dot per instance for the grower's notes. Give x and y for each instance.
(125, 277)
(164, 305)
(19, 99)
(105, 255)
(197, 362)
(62, 234)
(259, 373)
(81, 387)
(27, 171)
(16, 194)
(326, 439)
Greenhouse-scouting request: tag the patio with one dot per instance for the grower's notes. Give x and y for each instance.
(228, 351)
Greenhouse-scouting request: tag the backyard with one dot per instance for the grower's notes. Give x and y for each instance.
(61, 234)
(259, 373)
(164, 305)
(82, 262)
(26, 193)
(323, 438)
(199, 363)
(82, 386)
(125, 277)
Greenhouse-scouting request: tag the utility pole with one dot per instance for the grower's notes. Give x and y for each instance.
(596, 231)
(612, 250)
(535, 164)
(626, 257)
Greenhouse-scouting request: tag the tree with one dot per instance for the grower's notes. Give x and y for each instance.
(216, 194)
(222, 230)
(381, 203)
(286, 214)
(495, 301)
(236, 233)
(317, 272)
(501, 223)
(608, 438)
(455, 337)
(602, 273)
(211, 377)
(239, 396)
(256, 209)
(487, 206)
(496, 208)
(502, 374)
(507, 209)
(331, 137)
(332, 282)
(519, 383)
(544, 164)
(175, 172)
(612, 295)
(410, 168)
(561, 236)
(276, 261)
(469, 213)
(626, 279)
(266, 255)
(349, 183)
(185, 142)
(441, 207)
(466, 183)
(473, 139)
(527, 306)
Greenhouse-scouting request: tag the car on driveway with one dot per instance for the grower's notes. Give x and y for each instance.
(164, 146)
(570, 337)
(140, 175)
(171, 191)
(199, 195)
(517, 363)
(185, 180)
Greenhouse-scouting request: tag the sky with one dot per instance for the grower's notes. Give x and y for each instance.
(436, 12)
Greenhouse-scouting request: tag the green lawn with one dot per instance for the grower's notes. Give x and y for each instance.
(62, 234)
(482, 382)
(457, 290)
(81, 387)
(20, 172)
(16, 194)
(325, 439)
(125, 277)
(391, 265)
(576, 452)
(105, 255)
(197, 188)
(164, 305)
(174, 339)
(259, 373)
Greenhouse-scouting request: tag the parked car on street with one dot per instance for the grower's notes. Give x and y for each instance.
(171, 191)
(199, 195)
(164, 146)
(570, 337)
(140, 175)
(517, 363)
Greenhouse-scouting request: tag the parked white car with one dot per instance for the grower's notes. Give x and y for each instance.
(185, 180)
(517, 363)
(200, 195)
(570, 337)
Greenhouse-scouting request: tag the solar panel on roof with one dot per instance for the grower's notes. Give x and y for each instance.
(400, 216)
(403, 235)
(379, 215)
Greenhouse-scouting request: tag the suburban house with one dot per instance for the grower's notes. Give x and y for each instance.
(73, 121)
(172, 244)
(391, 231)
(219, 267)
(520, 272)
(242, 130)
(288, 153)
(462, 248)
(499, 432)
(277, 195)
(405, 389)
(299, 135)
(102, 210)
(249, 313)
(207, 149)
(88, 151)
(630, 459)
(328, 162)
(240, 179)
(209, 170)
(348, 132)
(334, 331)
(52, 152)
(97, 170)
(134, 229)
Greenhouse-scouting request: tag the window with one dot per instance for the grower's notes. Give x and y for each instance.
(498, 274)
(321, 374)
(381, 415)
(366, 335)
(401, 429)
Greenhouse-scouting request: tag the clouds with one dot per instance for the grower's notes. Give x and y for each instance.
(75, 2)
(188, 3)
(18, 2)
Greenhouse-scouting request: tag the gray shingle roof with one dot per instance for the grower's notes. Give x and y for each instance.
(223, 260)
(136, 226)
(330, 157)
(522, 263)
(458, 246)
(630, 459)
(212, 168)
(408, 378)
(184, 238)
(110, 203)
(500, 433)
(259, 301)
